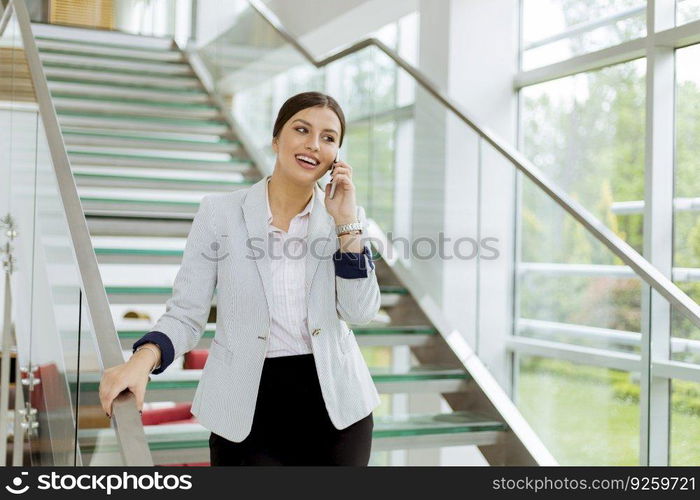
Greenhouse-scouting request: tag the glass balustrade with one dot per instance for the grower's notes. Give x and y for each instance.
(57, 343)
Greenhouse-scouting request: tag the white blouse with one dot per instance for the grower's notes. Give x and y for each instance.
(289, 330)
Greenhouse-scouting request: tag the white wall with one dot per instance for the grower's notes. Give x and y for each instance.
(322, 27)
(468, 48)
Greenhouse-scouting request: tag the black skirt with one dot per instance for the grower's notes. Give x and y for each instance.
(291, 425)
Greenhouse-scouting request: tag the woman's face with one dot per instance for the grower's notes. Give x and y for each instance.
(314, 133)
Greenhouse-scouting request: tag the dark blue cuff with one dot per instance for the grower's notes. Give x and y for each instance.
(352, 264)
(167, 350)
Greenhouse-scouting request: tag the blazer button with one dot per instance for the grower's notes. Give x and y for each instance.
(262, 337)
(316, 331)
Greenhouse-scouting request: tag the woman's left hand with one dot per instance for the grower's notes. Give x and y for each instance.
(343, 207)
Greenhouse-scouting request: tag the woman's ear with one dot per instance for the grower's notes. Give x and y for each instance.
(274, 144)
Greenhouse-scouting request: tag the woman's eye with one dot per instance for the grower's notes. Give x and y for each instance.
(328, 136)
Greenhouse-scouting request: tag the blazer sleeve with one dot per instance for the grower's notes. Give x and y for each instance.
(179, 329)
(357, 296)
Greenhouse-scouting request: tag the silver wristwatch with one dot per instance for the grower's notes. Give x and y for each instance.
(344, 228)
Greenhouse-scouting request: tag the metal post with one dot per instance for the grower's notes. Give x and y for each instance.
(18, 437)
(654, 401)
(192, 39)
(6, 341)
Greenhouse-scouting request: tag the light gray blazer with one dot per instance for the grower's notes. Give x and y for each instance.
(218, 254)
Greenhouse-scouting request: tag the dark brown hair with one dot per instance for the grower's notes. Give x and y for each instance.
(308, 100)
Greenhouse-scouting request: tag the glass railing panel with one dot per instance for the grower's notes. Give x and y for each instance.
(586, 133)
(18, 119)
(585, 415)
(686, 222)
(53, 325)
(73, 341)
(685, 423)
(570, 287)
(560, 29)
(685, 335)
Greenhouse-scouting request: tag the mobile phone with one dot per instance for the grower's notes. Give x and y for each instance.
(337, 158)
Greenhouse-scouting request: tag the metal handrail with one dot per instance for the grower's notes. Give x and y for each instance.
(5, 16)
(127, 422)
(642, 267)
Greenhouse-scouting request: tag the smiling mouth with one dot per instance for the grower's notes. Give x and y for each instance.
(305, 165)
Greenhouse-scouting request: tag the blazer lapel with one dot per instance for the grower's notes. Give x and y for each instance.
(320, 233)
(255, 215)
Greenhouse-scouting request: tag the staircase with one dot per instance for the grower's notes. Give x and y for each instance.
(146, 143)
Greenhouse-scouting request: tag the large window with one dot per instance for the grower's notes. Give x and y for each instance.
(556, 30)
(686, 254)
(583, 318)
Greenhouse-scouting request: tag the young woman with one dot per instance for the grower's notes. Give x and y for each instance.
(285, 382)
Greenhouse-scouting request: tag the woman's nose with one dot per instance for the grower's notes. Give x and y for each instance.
(312, 145)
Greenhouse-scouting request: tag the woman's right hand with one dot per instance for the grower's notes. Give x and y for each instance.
(132, 375)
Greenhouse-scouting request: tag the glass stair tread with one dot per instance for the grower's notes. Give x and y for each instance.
(135, 86)
(194, 435)
(145, 202)
(104, 62)
(429, 423)
(173, 180)
(86, 44)
(165, 289)
(193, 122)
(394, 330)
(394, 289)
(358, 330)
(87, 66)
(129, 100)
(138, 333)
(129, 55)
(188, 379)
(105, 154)
(165, 141)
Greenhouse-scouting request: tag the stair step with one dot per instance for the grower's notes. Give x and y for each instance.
(90, 90)
(111, 64)
(140, 207)
(146, 250)
(160, 294)
(62, 47)
(87, 158)
(144, 109)
(147, 123)
(109, 225)
(82, 37)
(180, 385)
(366, 335)
(189, 442)
(129, 86)
(152, 182)
(185, 106)
(121, 140)
(54, 72)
